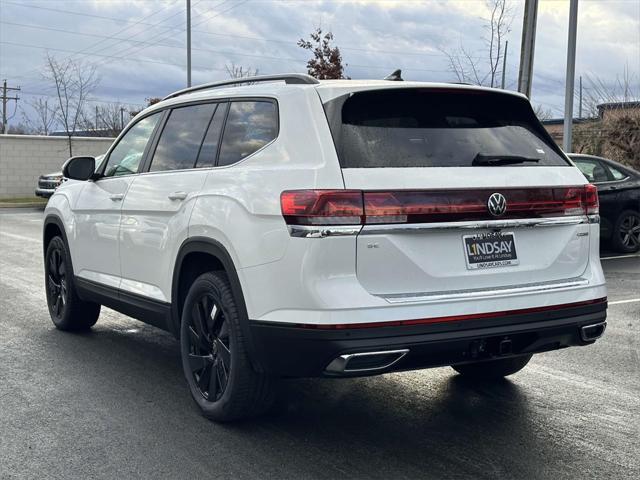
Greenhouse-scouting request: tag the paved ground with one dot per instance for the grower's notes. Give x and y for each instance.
(113, 403)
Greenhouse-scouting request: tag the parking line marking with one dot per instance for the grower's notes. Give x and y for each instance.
(631, 300)
(20, 237)
(620, 256)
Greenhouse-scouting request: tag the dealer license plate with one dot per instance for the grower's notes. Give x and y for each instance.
(490, 250)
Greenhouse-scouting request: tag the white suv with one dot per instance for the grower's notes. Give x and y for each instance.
(292, 228)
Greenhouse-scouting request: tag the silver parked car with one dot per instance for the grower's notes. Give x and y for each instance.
(48, 183)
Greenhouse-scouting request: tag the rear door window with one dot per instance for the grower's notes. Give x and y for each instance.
(182, 137)
(250, 126)
(617, 174)
(439, 128)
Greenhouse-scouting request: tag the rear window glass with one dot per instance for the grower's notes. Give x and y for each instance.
(430, 128)
(250, 126)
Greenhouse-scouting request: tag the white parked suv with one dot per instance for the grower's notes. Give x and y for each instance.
(294, 228)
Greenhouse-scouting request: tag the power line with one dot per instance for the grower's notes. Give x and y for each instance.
(262, 39)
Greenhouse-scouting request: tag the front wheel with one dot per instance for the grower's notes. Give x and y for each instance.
(493, 369)
(66, 309)
(626, 232)
(215, 359)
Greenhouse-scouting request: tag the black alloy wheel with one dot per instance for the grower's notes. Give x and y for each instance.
(223, 379)
(209, 348)
(67, 310)
(627, 232)
(57, 286)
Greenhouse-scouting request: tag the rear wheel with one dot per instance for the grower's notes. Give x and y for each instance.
(215, 359)
(493, 369)
(626, 232)
(66, 309)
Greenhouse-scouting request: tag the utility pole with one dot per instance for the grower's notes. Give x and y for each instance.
(121, 118)
(5, 99)
(504, 62)
(188, 43)
(570, 80)
(527, 47)
(96, 127)
(580, 105)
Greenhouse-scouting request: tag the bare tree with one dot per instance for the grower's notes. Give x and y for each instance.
(326, 62)
(597, 91)
(615, 129)
(107, 120)
(542, 113)
(45, 115)
(485, 70)
(238, 71)
(74, 82)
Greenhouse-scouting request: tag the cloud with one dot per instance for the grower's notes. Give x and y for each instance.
(147, 58)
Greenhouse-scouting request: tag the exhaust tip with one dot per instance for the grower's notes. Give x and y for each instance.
(589, 333)
(365, 361)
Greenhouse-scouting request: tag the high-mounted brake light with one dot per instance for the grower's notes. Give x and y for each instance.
(355, 207)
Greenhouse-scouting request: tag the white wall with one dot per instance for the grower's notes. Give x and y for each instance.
(23, 158)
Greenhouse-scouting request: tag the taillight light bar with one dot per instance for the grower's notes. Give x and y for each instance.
(357, 207)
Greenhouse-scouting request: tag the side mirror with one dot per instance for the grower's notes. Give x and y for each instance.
(79, 168)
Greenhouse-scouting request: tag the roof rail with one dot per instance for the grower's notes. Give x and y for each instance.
(288, 78)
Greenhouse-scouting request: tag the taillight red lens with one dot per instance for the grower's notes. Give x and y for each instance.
(590, 199)
(322, 207)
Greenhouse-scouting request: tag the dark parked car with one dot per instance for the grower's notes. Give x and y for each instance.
(619, 192)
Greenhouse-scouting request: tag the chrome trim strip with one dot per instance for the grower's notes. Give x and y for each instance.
(340, 364)
(479, 225)
(322, 231)
(480, 292)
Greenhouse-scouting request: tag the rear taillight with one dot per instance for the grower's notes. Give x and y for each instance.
(322, 207)
(355, 207)
(590, 199)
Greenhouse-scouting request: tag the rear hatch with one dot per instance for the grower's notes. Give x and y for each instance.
(462, 190)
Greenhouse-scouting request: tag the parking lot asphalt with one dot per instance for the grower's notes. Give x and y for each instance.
(113, 403)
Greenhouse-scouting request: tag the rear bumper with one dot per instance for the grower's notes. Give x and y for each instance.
(297, 351)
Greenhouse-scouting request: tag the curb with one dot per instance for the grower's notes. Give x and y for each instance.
(22, 204)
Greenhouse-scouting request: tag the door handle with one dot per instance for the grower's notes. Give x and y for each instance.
(116, 197)
(177, 196)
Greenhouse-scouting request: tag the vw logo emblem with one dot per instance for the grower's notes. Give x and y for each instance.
(497, 204)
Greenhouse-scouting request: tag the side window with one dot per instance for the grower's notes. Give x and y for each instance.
(127, 154)
(250, 126)
(617, 174)
(181, 137)
(209, 149)
(593, 170)
(586, 167)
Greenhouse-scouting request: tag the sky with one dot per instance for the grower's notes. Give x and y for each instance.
(138, 46)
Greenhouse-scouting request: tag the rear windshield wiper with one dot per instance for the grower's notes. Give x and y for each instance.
(496, 160)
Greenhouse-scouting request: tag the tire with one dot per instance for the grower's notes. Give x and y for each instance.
(625, 237)
(67, 311)
(493, 369)
(216, 363)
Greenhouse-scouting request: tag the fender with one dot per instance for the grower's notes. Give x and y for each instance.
(217, 250)
(53, 219)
